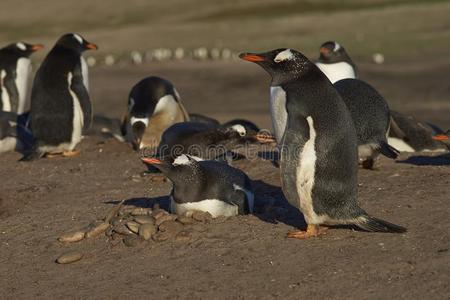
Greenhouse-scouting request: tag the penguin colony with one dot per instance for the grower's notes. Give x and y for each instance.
(325, 120)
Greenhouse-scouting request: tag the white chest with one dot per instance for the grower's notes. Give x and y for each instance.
(214, 206)
(6, 103)
(78, 118)
(23, 79)
(278, 111)
(337, 71)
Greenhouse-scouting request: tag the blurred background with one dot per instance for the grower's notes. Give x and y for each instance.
(400, 46)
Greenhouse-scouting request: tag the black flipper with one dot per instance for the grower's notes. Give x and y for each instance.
(369, 223)
(388, 151)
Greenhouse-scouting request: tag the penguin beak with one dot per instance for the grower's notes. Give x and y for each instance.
(265, 138)
(151, 161)
(441, 137)
(91, 46)
(37, 47)
(251, 57)
(324, 51)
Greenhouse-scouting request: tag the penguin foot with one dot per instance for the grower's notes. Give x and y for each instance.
(71, 153)
(311, 231)
(53, 154)
(368, 164)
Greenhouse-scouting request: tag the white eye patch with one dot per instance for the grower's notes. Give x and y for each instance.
(284, 55)
(143, 120)
(239, 129)
(78, 38)
(184, 160)
(336, 46)
(21, 46)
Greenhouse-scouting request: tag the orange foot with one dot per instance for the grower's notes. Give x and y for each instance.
(311, 231)
(53, 154)
(71, 153)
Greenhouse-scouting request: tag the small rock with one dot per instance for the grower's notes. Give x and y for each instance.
(131, 240)
(161, 236)
(117, 221)
(109, 232)
(158, 213)
(133, 226)
(199, 227)
(143, 219)
(113, 212)
(69, 257)
(97, 229)
(185, 220)
(139, 211)
(171, 227)
(202, 216)
(147, 230)
(165, 218)
(183, 236)
(72, 237)
(123, 230)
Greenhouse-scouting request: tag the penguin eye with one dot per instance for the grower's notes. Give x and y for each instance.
(241, 133)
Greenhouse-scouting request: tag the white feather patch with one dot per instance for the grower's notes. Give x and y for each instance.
(78, 38)
(336, 47)
(21, 46)
(214, 206)
(337, 71)
(78, 119)
(23, 80)
(143, 120)
(184, 160)
(239, 129)
(6, 102)
(284, 55)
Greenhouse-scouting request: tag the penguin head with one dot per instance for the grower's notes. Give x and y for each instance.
(75, 42)
(332, 52)
(284, 65)
(138, 127)
(23, 49)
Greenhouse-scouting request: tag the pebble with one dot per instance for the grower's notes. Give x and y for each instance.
(140, 211)
(183, 236)
(143, 219)
(71, 237)
(158, 213)
(185, 220)
(123, 230)
(202, 216)
(131, 241)
(97, 229)
(165, 218)
(133, 226)
(69, 257)
(171, 227)
(146, 231)
(113, 212)
(161, 236)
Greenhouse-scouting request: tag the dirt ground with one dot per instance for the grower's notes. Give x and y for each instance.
(245, 257)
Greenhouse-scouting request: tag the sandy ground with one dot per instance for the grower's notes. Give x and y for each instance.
(246, 257)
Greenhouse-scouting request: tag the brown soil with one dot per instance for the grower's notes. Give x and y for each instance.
(246, 257)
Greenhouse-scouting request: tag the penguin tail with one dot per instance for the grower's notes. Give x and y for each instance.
(388, 151)
(373, 224)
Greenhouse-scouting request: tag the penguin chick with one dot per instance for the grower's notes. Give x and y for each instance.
(318, 144)
(371, 117)
(207, 186)
(335, 63)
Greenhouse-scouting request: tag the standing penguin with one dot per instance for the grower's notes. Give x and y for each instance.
(335, 62)
(153, 106)
(61, 110)
(318, 146)
(15, 75)
(208, 186)
(370, 114)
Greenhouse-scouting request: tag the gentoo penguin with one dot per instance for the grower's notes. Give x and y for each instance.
(15, 75)
(14, 136)
(335, 63)
(207, 186)
(203, 140)
(408, 134)
(61, 111)
(318, 146)
(153, 106)
(106, 127)
(203, 119)
(370, 114)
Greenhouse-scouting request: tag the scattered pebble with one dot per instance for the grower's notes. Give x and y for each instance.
(143, 219)
(97, 229)
(131, 240)
(165, 218)
(147, 230)
(184, 236)
(140, 211)
(133, 226)
(72, 237)
(69, 257)
(123, 230)
(185, 220)
(171, 227)
(201, 216)
(161, 236)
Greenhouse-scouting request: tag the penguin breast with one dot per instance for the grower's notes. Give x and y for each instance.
(215, 207)
(78, 119)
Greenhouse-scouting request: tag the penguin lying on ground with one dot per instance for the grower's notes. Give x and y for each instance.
(203, 119)
(14, 136)
(411, 135)
(207, 186)
(153, 106)
(61, 111)
(205, 140)
(318, 145)
(335, 63)
(106, 127)
(15, 76)
(370, 114)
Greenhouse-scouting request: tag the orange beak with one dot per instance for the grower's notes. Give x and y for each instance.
(151, 161)
(265, 139)
(251, 57)
(92, 46)
(324, 51)
(37, 47)
(441, 137)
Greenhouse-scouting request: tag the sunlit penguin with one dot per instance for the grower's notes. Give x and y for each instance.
(153, 106)
(318, 145)
(408, 134)
(207, 186)
(335, 62)
(15, 76)
(61, 110)
(370, 114)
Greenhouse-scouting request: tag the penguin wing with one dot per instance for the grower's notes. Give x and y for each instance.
(10, 85)
(83, 96)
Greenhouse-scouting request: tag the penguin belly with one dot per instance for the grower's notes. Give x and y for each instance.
(9, 144)
(337, 71)
(78, 119)
(22, 82)
(6, 101)
(278, 111)
(215, 207)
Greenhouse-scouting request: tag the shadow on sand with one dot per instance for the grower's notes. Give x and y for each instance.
(440, 160)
